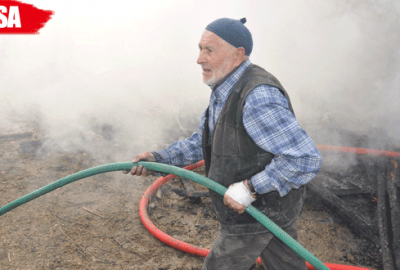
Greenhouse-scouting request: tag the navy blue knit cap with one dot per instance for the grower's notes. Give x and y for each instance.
(234, 32)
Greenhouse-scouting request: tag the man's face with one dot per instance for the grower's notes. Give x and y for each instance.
(216, 57)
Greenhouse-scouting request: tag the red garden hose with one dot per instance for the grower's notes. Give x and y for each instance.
(360, 151)
(194, 250)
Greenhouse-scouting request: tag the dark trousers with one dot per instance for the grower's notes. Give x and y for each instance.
(236, 250)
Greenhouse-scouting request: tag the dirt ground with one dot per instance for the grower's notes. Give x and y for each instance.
(94, 223)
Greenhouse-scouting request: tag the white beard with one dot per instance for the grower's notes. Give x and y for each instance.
(211, 82)
(222, 73)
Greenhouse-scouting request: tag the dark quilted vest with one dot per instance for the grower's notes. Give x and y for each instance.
(232, 156)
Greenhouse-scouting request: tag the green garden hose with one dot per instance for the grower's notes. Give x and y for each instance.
(151, 166)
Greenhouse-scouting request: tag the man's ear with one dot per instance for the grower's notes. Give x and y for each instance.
(240, 54)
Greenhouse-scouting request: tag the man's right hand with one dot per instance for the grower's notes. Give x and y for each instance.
(141, 171)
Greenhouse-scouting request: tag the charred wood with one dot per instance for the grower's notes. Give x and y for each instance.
(348, 192)
(383, 222)
(393, 192)
(190, 190)
(352, 217)
(18, 136)
(191, 194)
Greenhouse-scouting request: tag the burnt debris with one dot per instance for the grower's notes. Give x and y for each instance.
(367, 198)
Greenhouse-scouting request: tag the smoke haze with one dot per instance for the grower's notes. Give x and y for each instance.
(130, 67)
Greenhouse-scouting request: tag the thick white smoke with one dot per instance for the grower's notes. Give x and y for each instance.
(132, 65)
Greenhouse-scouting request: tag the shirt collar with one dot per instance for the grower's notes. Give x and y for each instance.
(223, 86)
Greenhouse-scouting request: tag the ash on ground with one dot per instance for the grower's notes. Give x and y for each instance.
(94, 223)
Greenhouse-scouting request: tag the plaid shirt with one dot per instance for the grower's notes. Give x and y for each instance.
(271, 125)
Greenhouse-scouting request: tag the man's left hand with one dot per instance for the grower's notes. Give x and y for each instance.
(238, 197)
(235, 206)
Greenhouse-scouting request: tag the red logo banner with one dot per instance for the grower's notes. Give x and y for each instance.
(21, 18)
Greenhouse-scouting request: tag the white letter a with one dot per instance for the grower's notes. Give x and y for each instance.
(13, 17)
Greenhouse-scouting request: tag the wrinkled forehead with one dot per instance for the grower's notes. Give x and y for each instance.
(210, 39)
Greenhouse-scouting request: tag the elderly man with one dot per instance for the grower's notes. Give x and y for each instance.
(252, 144)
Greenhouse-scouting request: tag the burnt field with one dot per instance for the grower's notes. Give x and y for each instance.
(94, 223)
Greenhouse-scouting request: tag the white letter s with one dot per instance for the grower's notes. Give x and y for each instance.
(3, 18)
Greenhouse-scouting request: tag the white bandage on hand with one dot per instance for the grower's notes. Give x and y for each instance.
(239, 193)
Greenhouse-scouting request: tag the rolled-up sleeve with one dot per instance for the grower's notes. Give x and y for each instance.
(273, 127)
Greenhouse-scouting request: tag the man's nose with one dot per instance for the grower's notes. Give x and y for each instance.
(201, 58)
